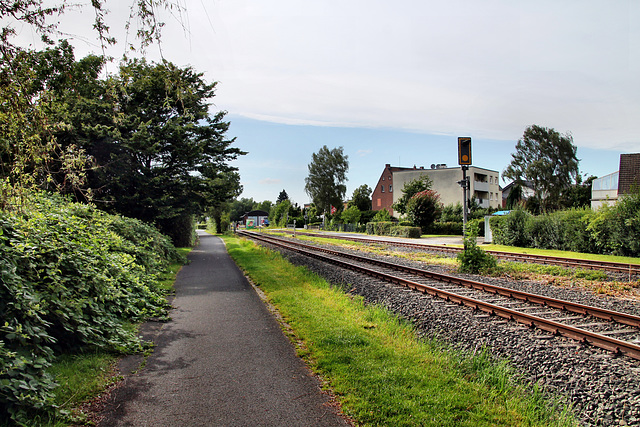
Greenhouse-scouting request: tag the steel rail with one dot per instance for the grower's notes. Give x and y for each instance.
(618, 267)
(602, 341)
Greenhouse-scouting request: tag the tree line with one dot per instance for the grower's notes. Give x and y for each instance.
(544, 160)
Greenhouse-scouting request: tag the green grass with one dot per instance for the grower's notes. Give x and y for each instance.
(374, 364)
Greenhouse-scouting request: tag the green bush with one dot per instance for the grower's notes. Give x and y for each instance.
(380, 228)
(575, 236)
(616, 229)
(473, 259)
(73, 277)
(562, 230)
(611, 230)
(448, 228)
(510, 229)
(408, 232)
(181, 229)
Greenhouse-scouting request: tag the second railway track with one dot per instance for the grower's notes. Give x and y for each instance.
(610, 266)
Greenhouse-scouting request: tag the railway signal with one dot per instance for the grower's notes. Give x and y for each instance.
(464, 150)
(464, 160)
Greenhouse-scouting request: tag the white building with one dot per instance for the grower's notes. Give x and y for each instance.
(484, 183)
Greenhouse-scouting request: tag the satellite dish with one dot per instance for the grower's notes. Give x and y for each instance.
(433, 166)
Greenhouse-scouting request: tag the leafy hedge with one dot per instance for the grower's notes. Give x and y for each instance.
(403, 231)
(389, 228)
(611, 230)
(448, 228)
(73, 277)
(382, 228)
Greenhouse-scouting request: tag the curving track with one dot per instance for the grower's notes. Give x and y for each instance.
(613, 331)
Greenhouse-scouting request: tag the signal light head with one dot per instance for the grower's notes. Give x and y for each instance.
(464, 150)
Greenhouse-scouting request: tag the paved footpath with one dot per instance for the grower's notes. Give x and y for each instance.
(222, 360)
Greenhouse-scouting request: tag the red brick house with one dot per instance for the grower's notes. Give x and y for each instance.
(382, 196)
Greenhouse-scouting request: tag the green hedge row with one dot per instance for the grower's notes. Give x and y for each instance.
(448, 228)
(611, 230)
(388, 228)
(404, 231)
(72, 278)
(382, 228)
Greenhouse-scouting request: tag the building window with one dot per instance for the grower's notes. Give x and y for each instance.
(379, 203)
(490, 180)
(389, 177)
(390, 189)
(382, 188)
(383, 178)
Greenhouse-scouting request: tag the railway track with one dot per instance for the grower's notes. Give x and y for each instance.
(614, 267)
(610, 330)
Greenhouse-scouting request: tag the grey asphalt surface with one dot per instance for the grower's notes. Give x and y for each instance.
(222, 361)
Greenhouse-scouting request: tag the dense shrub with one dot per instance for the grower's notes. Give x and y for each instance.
(181, 229)
(510, 229)
(403, 231)
(472, 258)
(451, 213)
(563, 230)
(610, 230)
(424, 208)
(367, 216)
(449, 228)
(72, 278)
(616, 229)
(380, 228)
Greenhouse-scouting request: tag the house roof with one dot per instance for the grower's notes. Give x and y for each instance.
(255, 213)
(629, 172)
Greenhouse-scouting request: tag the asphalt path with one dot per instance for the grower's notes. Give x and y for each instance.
(222, 360)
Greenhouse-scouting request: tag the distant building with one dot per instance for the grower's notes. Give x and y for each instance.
(608, 188)
(604, 189)
(255, 218)
(485, 188)
(527, 191)
(382, 195)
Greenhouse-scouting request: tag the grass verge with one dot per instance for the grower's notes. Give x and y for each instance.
(377, 368)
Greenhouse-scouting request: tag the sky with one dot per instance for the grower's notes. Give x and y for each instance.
(398, 82)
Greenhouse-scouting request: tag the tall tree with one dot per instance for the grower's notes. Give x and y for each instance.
(548, 160)
(240, 207)
(361, 198)
(351, 215)
(282, 197)
(30, 154)
(327, 175)
(265, 205)
(409, 189)
(166, 155)
(424, 208)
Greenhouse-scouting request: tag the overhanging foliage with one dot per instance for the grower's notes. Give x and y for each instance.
(73, 277)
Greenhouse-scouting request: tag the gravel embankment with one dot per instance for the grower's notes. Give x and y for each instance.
(602, 388)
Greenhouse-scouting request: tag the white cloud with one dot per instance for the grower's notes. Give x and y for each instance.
(486, 69)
